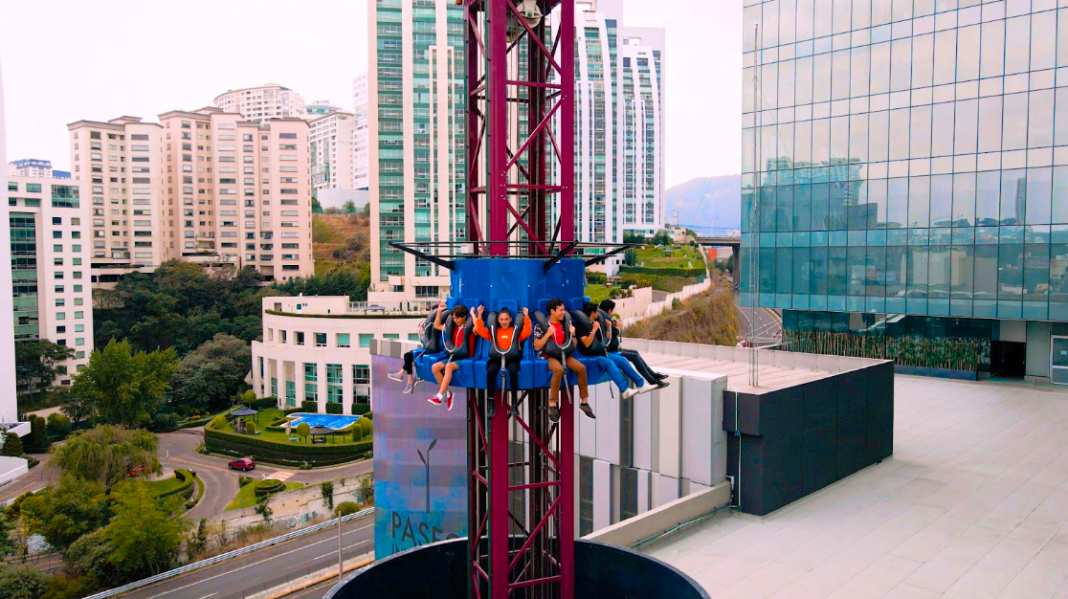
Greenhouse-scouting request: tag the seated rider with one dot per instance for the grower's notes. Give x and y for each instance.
(503, 338)
(558, 335)
(591, 344)
(457, 347)
(660, 380)
(407, 372)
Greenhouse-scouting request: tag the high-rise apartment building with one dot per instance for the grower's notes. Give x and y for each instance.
(119, 165)
(331, 139)
(237, 192)
(361, 133)
(619, 126)
(269, 101)
(911, 165)
(318, 108)
(416, 141)
(50, 261)
(8, 402)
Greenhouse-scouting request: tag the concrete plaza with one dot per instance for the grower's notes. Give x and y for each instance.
(972, 504)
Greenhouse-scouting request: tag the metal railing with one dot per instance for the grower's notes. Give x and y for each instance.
(211, 561)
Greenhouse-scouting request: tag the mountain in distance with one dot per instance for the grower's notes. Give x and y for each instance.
(706, 202)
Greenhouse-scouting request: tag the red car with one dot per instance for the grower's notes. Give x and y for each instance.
(243, 464)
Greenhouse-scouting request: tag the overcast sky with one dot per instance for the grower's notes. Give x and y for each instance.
(77, 59)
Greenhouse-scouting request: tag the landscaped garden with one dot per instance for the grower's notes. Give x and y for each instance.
(254, 491)
(265, 439)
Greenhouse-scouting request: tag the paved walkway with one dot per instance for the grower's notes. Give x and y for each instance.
(973, 504)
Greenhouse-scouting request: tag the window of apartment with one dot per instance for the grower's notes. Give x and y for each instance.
(343, 340)
(413, 337)
(282, 335)
(391, 336)
(320, 340)
(365, 340)
(361, 374)
(12, 186)
(300, 338)
(33, 187)
(59, 289)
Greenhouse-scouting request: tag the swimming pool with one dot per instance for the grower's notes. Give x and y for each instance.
(334, 421)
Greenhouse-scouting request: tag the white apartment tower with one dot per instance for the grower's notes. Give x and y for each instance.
(416, 142)
(619, 122)
(361, 133)
(30, 167)
(119, 165)
(238, 192)
(269, 101)
(332, 135)
(8, 395)
(51, 291)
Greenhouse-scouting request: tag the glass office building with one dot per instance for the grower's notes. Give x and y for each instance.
(912, 168)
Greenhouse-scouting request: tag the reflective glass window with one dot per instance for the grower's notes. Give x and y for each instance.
(858, 141)
(1061, 120)
(840, 75)
(922, 60)
(985, 279)
(880, 68)
(902, 9)
(804, 19)
(987, 194)
(897, 202)
(990, 110)
(920, 132)
(881, 12)
(919, 201)
(838, 271)
(992, 57)
(1010, 271)
(968, 58)
(803, 80)
(858, 82)
(1039, 188)
(823, 18)
(786, 83)
(803, 141)
(878, 136)
(1014, 137)
(900, 64)
(964, 200)
(821, 141)
(821, 78)
(1040, 119)
(899, 134)
(941, 200)
(769, 86)
(770, 25)
(1017, 44)
(842, 16)
(840, 137)
(945, 62)
(1043, 40)
(1013, 196)
(942, 129)
(787, 18)
(1059, 212)
(820, 199)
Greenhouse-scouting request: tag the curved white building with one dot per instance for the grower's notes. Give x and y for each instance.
(269, 101)
(319, 349)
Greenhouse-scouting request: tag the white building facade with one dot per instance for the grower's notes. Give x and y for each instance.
(416, 142)
(331, 136)
(619, 120)
(51, 292)
(361, 133)
(269, 101)
(318, 349)
(30, 167)
(8, 395)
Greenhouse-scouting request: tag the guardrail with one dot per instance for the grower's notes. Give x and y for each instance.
(211, 561)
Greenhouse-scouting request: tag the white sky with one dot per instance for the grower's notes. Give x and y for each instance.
(65, 60)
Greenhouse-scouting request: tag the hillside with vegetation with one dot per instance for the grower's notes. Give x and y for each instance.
(709, 317)
(342, 242)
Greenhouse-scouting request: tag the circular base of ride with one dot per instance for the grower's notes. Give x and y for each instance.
(440, 571)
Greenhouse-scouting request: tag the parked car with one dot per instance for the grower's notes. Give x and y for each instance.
(139, 470)
(243, 464)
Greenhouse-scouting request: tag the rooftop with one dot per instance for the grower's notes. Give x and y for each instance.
(972, 504)
(778, 369)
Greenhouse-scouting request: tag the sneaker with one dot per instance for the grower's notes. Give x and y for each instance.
(554, 414)
(647, 388)
(448, 401)
(660, 377)
(587, 410)
(409, 388)
(395, 377)
(629, 393)
(491, 408)
(436, 400)
(662, 384)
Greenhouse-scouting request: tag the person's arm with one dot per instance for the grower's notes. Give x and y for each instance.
(480, 329)
(539, 342)
(437, 319)
(525, 333)
(588, 339)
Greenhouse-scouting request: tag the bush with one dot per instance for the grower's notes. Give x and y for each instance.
(596, 278)
(345, 508)
(218, 423)
(268, 487)
(263, 403)
(38, 439)
(185, 489)
(676, 304)
(58, 425)
(165, 423)
(248, 397)
(661, 272)
(244, 480)
(366, 426)
(309, 406)
(361, 409)
(12, 445)
(200, 493)
(334, 408)
(284, 453)
(250, 427)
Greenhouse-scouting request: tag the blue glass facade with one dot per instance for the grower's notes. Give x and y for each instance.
(912, 157)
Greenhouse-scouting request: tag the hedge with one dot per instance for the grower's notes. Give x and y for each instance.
(200, 493)
(264, 402)
(185, 489)
(284, 454)
(334, 408)
(310, 406)
(195, 423)
(361, 409)
(268, 487)
(663, 272)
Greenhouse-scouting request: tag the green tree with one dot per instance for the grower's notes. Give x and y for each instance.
(248, 397)
(367, 490)
(336, 282)
(317, 208)
(38, 433)
(64, 512)
(144, 537)
(7, 543)
(105, 454)
(22, 582)
(198, 542)
(37, 364)
(264, 510)
(349, 207)
(303, 430)
(123, 386)
(77, 408)
(210, 375)
(58, 424)
(12, 445)
(327, 489)
(89, 556)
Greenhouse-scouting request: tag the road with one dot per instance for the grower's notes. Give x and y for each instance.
(267, 568)
(178, 450)
(766, 324)
(313, 592)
